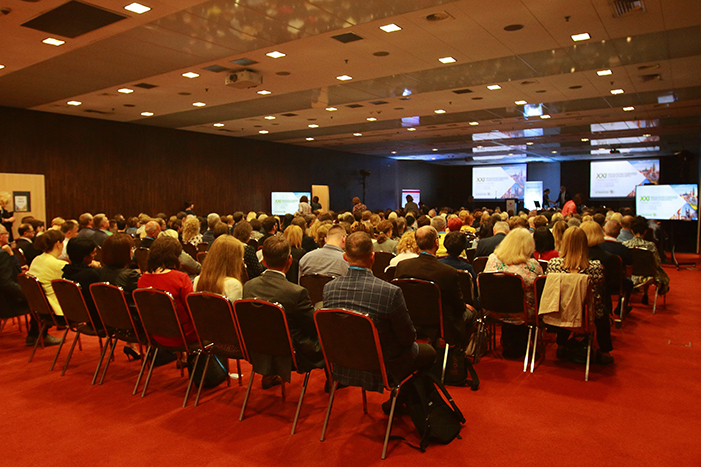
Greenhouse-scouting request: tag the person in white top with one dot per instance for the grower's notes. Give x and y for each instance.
(70, 230)
(47, 267)
(406, 249)
(222, 269)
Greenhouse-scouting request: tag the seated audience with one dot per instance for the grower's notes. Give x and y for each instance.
(558, 231)
(544, 244)
(327, 260)
(406, 248)
(47, 267)
(455, 244)
(82, 252)
(242, 232)
(222, 270)
(486, 246)
(25, 242)
(384, 241)
(191, 231)
(293, 234)
(639, 228)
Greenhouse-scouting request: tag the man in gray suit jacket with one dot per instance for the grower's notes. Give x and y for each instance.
(273, 286)
(486, 246)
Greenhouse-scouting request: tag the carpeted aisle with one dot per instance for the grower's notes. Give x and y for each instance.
(644, 410)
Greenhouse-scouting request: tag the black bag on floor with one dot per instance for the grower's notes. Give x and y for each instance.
(216, 371)
(432, 410)
(457, 369)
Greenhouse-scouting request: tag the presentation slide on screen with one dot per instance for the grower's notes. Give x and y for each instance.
(499, 181)
(533, 193)
(675, 202)
(416, 194)
(287, 202)
(618, 179)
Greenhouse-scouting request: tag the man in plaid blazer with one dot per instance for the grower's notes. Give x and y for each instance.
(361, 291)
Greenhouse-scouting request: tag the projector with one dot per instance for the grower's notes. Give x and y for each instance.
(244, 79)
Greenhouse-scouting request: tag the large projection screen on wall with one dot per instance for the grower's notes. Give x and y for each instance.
(287, 202)
(499, 181)
(668, 202)
(618, 179)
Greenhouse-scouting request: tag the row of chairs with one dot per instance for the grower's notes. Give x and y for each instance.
(223, 329)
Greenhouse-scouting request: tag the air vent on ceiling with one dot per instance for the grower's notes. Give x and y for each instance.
(244, 62)
(145, 86)
(625, 7)
(347, 37)
(354, 106)
(73, 19)
(379, 102)
(216, 68)
(651, 77)
(289, 115)
(462, 91)
(647, 67)
(439, 16)
(93, 111)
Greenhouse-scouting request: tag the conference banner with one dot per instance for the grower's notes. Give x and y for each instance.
(667, 202)
(499, 181)
(618, 179)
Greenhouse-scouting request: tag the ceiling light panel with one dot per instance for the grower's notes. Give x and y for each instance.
(275, 54)
(581, 37)
(390, 28)
(190, 75)
(137, 8)
(604, 72)
(52, 41)
(447, 60)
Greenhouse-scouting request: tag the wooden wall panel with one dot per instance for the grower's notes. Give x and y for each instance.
(100, 166)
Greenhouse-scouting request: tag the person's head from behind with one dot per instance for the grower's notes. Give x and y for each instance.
(574, 251)
(164, 253)
(224, 259)
(220, 229)
(516, 248)
(304, 199)
(408, 243)
(639, 226)
(116, 251)
(242, 231)
(48, 242)
(269, 225)
(544, 240)
(612, 228)
(276, 253)
(409, 198)
(455, 224)
(594, 233)
(359, 250)
(336, 235)
(427, 239)
(81, 250)
(152, 229)
(438, 223)
(501, 227)
(455, 243)
(293, 234)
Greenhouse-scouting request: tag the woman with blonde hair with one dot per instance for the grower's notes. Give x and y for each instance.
(191, 231)
(406, 248)
(7, 217)
(515, 255)
(294, 236)
(558, 230)
(222, 269)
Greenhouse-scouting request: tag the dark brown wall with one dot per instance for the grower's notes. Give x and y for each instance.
(100, 166)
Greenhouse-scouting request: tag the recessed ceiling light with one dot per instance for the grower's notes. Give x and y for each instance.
(616, 91)
(190, 74)
(344, 78)
(310, 139)
(511, 153)
(390, 28)
(137, 8)
(125, 90)
(530, 143)
(474, 123)
(269, 117)
(604, 72)
(2, 66)
(433, 158)
(493, 87)
(584, 140)
(439, 111)
(357, 134)
(331, 109)
(545, 116)
(554, 152)
(394, 152)
(434, 149)
(275, 54)
(581, 37)
(479, 147)
(628, 109)
(73, 102)
(646, 135)
(218, 124)
(411, 129)
(371, 119)
(263, 132)
(52, 41)
(264, 92)
(147, 114)
(313, 125)
(199, 104)
(520, 102)
(447, 60)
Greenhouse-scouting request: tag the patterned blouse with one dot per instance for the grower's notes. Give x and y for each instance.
(528, 272)
(595, 271)
(662, 277)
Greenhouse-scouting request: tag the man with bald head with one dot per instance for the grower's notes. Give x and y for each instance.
(151, 230)
(626, 229)
(457, 318)
(486, 246)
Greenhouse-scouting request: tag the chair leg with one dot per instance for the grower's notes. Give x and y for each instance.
(654, 304)
(535, 348)
(389, 423)
(238, 367)
(301, 399)
(70, 352)
(60, 346)
(528, 348)
(445, 362)
(143, 366)
(586, 369)
(109, 360)
(328, 410)
(192, 377)
(150, 370)
(108, 341)
(365, 401)
(248, 392)
(40, 338)
(206, 367)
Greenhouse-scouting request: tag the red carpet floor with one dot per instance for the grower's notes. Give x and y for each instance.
(643, 410)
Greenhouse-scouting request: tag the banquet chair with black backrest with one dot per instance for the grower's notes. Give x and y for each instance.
(616, 287)
(314, 283)
(470, 254)
(75, 312)
(350, 340)
(201, 256)
(644, 265)
(479, 263)
(141, 258)
(191, 250)
(382, 259)
(546, 287)
(41, 309)
(213, 318)
(503, 299)
(263, 329)
(159, 317)
(202, 247)
(423, 300)
(119, 322)
(466, 286)
(390, 272)
(20, 256)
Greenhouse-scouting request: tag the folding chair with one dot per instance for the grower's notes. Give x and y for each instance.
(43, 313)
(479, 263)
(466, 286)
(315, 283)
(382, 259)
(213, 318)
(350, 340)
(141, 257)
(644, 265)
